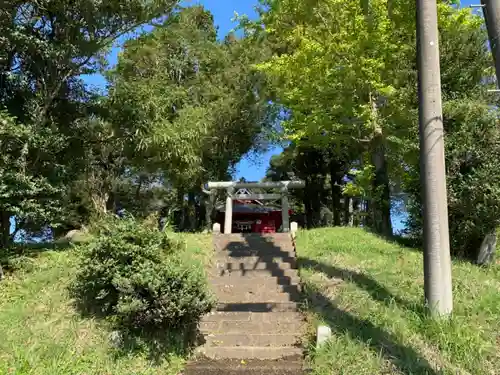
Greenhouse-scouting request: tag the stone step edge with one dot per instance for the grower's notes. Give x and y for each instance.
(256, 274)
(258, 307)
(270, 340)
(242, 316)
(262, 283)
(235, 364)
(249, 352)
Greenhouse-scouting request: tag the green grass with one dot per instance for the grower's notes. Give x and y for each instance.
(42, 333)
(370, 292)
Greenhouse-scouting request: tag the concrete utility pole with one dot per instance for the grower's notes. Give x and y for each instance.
(437, 262)
(491, 11)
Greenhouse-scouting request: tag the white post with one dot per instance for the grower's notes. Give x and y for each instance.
(294, 227)
(284, 212)
(216, 228)
(324, 333)
(228, 222)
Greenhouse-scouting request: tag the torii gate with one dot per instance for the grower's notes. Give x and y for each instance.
(230, 187)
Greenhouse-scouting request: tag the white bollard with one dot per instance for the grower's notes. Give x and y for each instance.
(216, 228)
(294, 227)
(324, 334)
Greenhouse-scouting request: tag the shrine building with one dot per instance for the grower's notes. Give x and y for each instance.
(244, 211)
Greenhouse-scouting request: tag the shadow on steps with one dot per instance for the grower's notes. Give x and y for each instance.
(257, 318)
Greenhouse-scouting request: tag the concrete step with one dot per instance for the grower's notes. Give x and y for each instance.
(255, 288)
(253, 235)
(236, 245)
(254, 258)
(241, 327)
(260, 245)
(236, 264)
(251, 340)
(249, 241)
(257, 317)
(267, 281)
(285, 366)
(236, 293)
(249, 352)
(260, 307)
(274, 255)
(238, 274)
(247, 298)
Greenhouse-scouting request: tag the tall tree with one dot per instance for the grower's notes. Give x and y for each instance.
(359, 60)
(188, 105)
(44, 48)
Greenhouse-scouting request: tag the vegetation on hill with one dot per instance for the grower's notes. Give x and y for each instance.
(370, 292)
(334, 81)
(183, 105)
(44, 331)
(353, 123)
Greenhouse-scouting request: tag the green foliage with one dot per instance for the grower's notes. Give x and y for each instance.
(470, 138)
(72, 343)
(45, 47)
(360, 92)
(187, 103)
(323, 170)
(29, 182)
(140, 277)
(361, 187)
(473, 173)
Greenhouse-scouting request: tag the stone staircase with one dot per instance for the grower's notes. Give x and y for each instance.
(256, 323)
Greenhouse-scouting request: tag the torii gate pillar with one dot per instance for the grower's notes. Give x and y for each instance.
(228, 222)
(285, 208)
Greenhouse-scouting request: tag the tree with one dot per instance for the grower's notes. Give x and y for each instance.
(188, 105)
(29, 195)
(359, 95)
(44, 48)
(323, 173)
(348, 82)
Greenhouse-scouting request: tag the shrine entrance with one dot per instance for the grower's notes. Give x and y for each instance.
(244, 211)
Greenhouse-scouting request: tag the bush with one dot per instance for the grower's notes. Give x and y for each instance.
(140, 277)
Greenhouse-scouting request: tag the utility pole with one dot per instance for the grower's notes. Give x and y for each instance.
(491, 11)
(437, 261)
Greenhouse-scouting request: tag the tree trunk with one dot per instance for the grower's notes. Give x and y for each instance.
(111, 205)
(100, 203)
(308, 204)
(316, 203)
(335, 182)
(381, 201)
(381, 195)
(182, 211)
(210, 203)
(355, 212)
(192, 211)
(348, 211)
(5, 240)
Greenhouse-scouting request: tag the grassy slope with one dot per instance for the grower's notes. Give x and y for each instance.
(42, 334)
(371, 293)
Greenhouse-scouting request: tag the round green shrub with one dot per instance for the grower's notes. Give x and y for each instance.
(140, 277)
